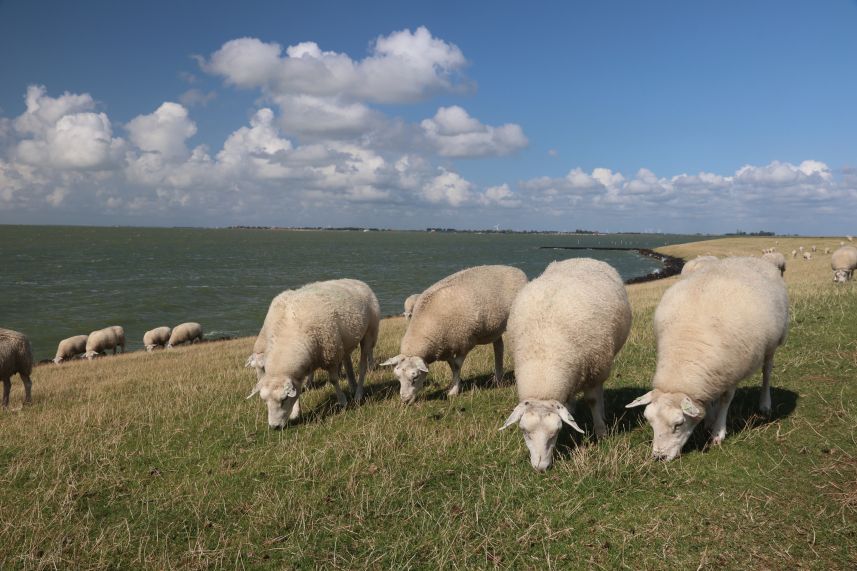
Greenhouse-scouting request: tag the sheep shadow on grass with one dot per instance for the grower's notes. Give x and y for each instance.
(484, 381)
(372, 392)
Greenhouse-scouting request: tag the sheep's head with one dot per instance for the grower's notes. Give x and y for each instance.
(279, 394)
(58, 360)
(673, 417)
(841, 276)
(411, 372)
(90, 355)
(540, 421)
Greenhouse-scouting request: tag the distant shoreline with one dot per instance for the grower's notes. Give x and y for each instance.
(671, 265)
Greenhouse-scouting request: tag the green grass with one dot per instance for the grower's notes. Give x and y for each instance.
(157, 461)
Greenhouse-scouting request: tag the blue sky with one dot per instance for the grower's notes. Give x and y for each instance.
(673, 116)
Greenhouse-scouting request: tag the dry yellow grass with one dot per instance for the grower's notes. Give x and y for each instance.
(157, 461)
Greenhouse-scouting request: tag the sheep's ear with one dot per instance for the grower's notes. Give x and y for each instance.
(566, 416)
(255, 391)
(690, 409)
(640, 401)
(421, 365)
(289, 391)
(516, 415)
(392, 361)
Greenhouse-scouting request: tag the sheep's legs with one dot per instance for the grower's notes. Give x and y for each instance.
(711, 411)
(349, 373)
(7, 387)
(455, 364)
(765, 396)
(366, 346)
(594, 397)
(28, 389)
(296, 408)
(498, 361)
(718, 432)
(333, 375)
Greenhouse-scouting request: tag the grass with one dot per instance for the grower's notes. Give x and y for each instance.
(157, 461)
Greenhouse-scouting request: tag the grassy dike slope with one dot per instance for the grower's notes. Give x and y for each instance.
(157, 461)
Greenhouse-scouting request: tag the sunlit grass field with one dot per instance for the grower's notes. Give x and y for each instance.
(158, 461)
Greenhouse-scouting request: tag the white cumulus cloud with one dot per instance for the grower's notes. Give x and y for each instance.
(454, 133)
(164, 131)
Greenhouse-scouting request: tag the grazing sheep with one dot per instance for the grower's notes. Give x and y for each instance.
(813, 248)
(409, 305)
(777, 260)
(697, 263)
(450, 318)
(16, 356)
(794, 254)
(712, 331)
(157, 337)
(827, 251)
(189, 332)
(800, 249)
(120, 337)
(70, 348)
(101, 341)
(315, 327)
(843, 262)
(565, 327)
(807, 256)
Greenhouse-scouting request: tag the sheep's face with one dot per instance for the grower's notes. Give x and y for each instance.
(58, 360)
(673, 417)
(841, 276)
(411, 372)
(541, 421)
(279, 396)
(90, 355)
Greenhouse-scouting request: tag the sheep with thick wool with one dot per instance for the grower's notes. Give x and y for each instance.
(70, 348)
(16, 356)
(101, 341)
(450, 318)
(713, 330)
(843, 262)
(697, 263)
(565, 329)
(410, 302)
(777, 259)
(316, 327)
(189, 332)
(157, 337)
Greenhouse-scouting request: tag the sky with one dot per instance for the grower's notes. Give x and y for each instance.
(614, 116)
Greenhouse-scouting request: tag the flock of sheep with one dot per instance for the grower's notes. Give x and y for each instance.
(723, 320)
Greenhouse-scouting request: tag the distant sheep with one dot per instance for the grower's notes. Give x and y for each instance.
(450, 318)
(565, 328)
(157, 337)
(807, 256)
(409, 305)
(697, 263)
(827, 251)
(794, 254)
(713, 330)
(189, 332)
(777, 259)
(800, 249)
(843, 263)
(101, 341)
(16, 356)
(813, 248)
(315, 327)
(70, 348)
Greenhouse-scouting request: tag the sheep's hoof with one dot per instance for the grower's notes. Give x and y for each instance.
(358, 395)
(453, 391)
(717, 439)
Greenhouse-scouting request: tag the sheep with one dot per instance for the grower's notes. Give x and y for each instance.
(813, 248)
(409, 305)
(843, 263)
(777, 260)
(70, 348)
(120, 337)
(697, 263)
(101, 341)
(807, 256)
(565, 328)
(850, 238)
(316, 326)
(826, 251)
(189, 332)
(712, 331)
(461, 311)
(157, 337)
(16, 356)
(794, 254)
(800, 249)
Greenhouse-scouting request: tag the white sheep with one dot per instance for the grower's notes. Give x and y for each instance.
(807, 256)
(70, 348)
(101, 341)
(800, 249)
(565, 328)
(157, 337)
(119, 331)
(16, 356)
(409, 305)
(712, 331)
(189, 332)
(450, 318)
(777, 259)
(316, 327)
(813, 248)
(843, 263)
(697, 263)
(794, 254)
(827, 251)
